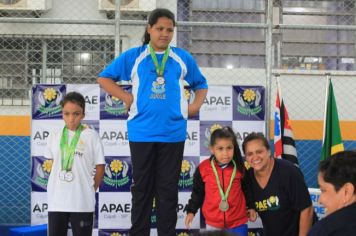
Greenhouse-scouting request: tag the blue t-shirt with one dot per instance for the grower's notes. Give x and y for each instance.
(159, 111)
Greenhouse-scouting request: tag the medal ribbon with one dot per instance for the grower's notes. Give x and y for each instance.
(159, 69)
(67, 151)
(226, 195)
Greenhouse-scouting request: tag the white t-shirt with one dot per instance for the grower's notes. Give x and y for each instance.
(79, 194)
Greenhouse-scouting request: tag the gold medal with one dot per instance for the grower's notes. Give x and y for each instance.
(223, 206)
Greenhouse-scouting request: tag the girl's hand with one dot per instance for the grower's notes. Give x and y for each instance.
(188, 220)
(193, 110)
(128, 101)
(252, 215)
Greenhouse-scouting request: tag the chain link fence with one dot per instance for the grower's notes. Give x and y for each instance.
(242, 42)
(15, 183)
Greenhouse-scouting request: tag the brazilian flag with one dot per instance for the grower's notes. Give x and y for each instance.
(332, 141)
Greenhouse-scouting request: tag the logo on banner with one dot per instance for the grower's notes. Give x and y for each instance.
(39, 213)
(49, 101)
(41, 135)
(114, 136)
(242, 135)
(249, 102)
(113, 233)
(114, 106)
(180, 232)
(91, 100)
(116, 174)
(191, 138)
(183, 234)
(215, 101)
(40, 171)
(110, 138)
(117, 234)
(186, 174)
(255, 232)
(111, 106)
(43, 171)
(114, 208)
(182, 207)
(40, 208)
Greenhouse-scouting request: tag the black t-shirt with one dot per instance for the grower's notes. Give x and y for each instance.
(279, 204)
(339, 223)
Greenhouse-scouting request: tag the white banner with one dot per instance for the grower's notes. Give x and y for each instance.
(241, 107)
(217, 104)
(192, 142)
(244, 128)
(182, 204)
(39, 208)
(113, 134)
(91, 93)
(40, 132)
(114, 210)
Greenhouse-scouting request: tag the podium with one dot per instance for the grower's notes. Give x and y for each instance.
(36, 230)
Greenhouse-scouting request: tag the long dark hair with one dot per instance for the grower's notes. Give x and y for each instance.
(153, 18)
(227, 133)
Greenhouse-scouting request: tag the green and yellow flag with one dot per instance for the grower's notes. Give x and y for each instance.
(332, 141)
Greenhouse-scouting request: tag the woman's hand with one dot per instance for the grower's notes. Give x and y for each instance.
(252, 215)
(188, 220)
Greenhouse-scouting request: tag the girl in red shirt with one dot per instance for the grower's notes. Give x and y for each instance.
(220, 187)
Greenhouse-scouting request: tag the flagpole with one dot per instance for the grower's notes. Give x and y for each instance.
(279, 90)
(328, 78)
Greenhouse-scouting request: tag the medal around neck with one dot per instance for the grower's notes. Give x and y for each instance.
(62, 174)
(224, 206)
(67, 153)
(69, 176)
(159, 68)
(160, 80)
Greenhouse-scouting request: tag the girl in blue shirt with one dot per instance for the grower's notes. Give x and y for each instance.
(157, 123)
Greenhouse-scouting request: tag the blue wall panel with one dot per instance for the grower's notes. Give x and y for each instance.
(15, 180)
